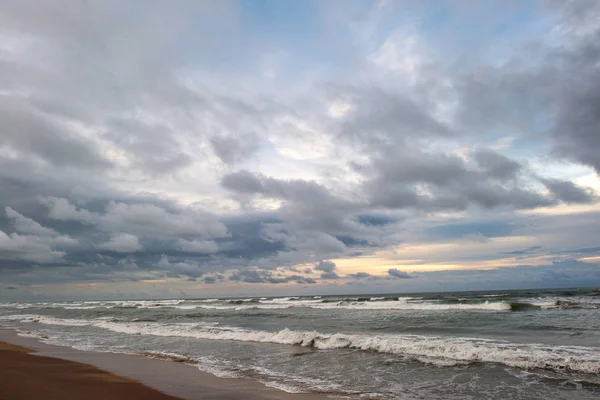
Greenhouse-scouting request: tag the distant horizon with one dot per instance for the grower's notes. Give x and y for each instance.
(363, 294)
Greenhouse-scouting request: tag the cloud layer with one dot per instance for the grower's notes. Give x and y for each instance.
(206, 145)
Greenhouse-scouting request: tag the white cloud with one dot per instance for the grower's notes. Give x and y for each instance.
(26, 225)
(28, 248)
(122, 243)
(400, 53)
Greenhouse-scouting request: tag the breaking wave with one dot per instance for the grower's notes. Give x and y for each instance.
(484, 303)
(443, 351)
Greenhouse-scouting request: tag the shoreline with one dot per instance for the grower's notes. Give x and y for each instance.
(153, 377)
(27, 375)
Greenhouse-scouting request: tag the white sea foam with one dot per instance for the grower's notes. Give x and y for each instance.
(544, 304)
(356, 303)
(552, 302)
(439, 350)
(403, 303)
(278, 299)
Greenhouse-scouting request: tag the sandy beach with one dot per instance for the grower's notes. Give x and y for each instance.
(27, 376)
(32, 370)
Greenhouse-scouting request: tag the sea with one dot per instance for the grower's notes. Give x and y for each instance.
(524, 344)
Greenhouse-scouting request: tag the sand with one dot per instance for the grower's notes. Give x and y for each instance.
(30, 369)
(27, 376)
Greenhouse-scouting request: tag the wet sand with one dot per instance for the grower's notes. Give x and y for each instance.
(34, 370)
(28, 376)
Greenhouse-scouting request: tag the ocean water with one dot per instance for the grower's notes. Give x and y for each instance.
(527, 344)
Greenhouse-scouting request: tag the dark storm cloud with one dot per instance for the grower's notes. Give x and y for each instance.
(328, 269)
(568, 192)
(396, 273)
(325, 266)
(329, 275)
(360, 275)
(264, 276)
(577, 132)
(375, 219)
(395, 181)
(314, 219)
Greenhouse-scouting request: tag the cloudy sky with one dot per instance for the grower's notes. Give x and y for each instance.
(230, 148)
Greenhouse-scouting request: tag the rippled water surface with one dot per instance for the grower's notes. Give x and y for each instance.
(470, 345)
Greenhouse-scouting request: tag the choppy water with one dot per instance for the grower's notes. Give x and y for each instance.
(471, 345)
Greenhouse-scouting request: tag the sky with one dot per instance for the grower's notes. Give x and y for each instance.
(160, 149)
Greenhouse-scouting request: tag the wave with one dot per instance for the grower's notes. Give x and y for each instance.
(488, 303)
(364, 305)
(279, 299)
(443, 351)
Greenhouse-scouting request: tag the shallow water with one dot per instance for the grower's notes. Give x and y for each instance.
(474, 345)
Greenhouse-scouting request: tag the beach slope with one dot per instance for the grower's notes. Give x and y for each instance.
(29, 376)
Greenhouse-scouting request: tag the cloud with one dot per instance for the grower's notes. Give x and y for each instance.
(396, 273)
(196, 246)
(496, 165)
(567, 273)
(528, 250)
(180, 268)
(325, 266)
(329, 275)
(122, 243)
(139, 218)
(36, 249)
(375, 219)
(569, 192)
(26, 130)
(62, 210)
(249, 276)
(26, 225)
(234, 149)
(130, 153)
(427, 181)
(359, 275)
(265, 276)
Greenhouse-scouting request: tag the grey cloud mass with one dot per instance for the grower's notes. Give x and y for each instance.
(174, 142)
(396, 273)
(325, 266)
